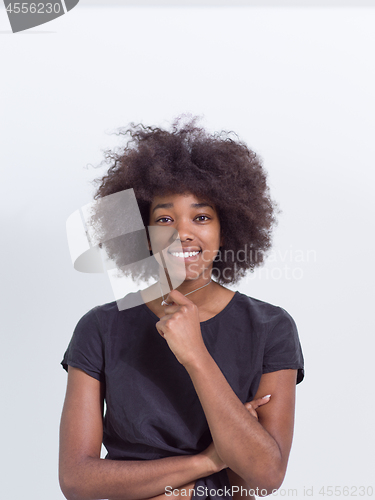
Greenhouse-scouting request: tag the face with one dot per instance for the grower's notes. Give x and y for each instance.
(198, 227)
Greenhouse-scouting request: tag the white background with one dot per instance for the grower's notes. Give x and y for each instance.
(297, 84)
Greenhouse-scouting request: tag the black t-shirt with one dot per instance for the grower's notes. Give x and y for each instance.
(152, 409)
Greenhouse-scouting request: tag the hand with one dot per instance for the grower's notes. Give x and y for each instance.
(180, 327)
(251, 406)
(214, 460)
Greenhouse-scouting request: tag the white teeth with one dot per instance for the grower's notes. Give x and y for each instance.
(184, 255)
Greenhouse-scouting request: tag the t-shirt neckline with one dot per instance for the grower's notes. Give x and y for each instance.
(214, 318)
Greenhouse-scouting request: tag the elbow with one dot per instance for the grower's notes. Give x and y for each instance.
(70, 486)
(266, 482)
(274, 481)
(268, 488)
(69, 490)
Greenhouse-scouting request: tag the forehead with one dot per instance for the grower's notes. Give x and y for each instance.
(185, 200)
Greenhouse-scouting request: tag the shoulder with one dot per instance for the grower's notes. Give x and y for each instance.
(260, 313)
(278, 333)
(271, 330)
(113, 309)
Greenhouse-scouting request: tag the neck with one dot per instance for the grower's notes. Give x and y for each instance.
(199, 290)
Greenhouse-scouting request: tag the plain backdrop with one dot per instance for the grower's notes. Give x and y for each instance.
(296, 84)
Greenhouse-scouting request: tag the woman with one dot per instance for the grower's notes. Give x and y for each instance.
(199, 382)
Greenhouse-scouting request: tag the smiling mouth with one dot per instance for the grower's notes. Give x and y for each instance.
(185, 255)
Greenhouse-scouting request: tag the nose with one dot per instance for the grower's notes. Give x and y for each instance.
(185, 231)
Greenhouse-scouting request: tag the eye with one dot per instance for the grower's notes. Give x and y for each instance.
(203, 218)
(163, 219)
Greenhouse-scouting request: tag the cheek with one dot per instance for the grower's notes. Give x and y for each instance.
(215, 238)
(162, 237)
(212, 246)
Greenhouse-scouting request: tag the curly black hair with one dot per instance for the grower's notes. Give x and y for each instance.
(216, 167)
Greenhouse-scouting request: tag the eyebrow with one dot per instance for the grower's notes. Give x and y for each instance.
(193, 205)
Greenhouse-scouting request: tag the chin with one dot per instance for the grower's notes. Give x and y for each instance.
(198, 274)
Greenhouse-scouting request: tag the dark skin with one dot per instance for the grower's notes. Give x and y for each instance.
(252, 441)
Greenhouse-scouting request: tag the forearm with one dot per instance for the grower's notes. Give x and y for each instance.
(240, 440)
(95, 478)
(184, 492)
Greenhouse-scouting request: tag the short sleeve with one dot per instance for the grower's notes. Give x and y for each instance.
(86, 347)
(283, 349)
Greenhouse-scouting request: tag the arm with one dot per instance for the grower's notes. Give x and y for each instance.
(83, 475)
(257, 451)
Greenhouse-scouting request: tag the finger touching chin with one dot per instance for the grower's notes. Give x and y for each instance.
(160, 331)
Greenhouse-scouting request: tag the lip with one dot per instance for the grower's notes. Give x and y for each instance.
(186, 259)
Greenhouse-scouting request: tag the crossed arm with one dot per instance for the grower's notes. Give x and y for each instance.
(257, 450)
(83, 475)
(254, 445)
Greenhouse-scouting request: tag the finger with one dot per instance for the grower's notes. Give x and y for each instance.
(178, 298)
(170, 309)
(251, 410)
(168, 302)
(261, 401)
(158, 327)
